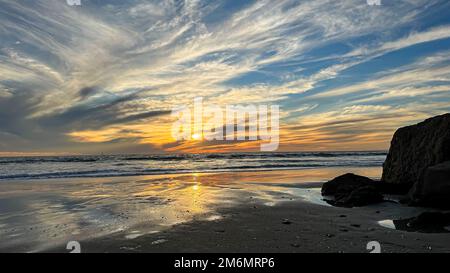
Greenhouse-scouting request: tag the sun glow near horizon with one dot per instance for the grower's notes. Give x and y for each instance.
(198, 137)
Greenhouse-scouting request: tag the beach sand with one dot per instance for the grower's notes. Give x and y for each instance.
(279, 211)
(289, 227)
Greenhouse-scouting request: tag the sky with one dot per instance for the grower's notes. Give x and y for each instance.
(104, 77)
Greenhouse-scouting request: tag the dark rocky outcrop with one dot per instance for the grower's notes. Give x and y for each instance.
(360, 197)
(427, 222)
(415, 148)
(345, 183)
(413, 161)
(418, 164)
(434, 189)
(350, 190)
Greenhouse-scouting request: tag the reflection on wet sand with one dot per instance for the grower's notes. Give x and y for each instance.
(35, 215)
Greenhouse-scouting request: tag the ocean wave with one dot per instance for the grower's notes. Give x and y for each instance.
(80, 174)
(130, 165)
(116, 173)
(105, 158)
(32, 160)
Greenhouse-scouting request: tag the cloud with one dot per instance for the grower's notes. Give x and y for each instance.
(414, 38)
(398, 81)
(97, 72)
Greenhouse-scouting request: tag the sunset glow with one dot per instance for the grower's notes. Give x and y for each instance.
(196, 137)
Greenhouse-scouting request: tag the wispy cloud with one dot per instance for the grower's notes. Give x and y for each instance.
(109, 72)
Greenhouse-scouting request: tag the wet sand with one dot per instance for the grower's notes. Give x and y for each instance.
(280, 211)
(289, 227)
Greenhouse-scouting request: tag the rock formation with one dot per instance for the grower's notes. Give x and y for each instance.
(415, 151)
(418, 163)
(415, 148)
(350, 190)
(434, 189)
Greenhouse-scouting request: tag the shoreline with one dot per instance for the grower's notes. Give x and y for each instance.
(181, 173)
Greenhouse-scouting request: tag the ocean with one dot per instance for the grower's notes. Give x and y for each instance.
(132, 165)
